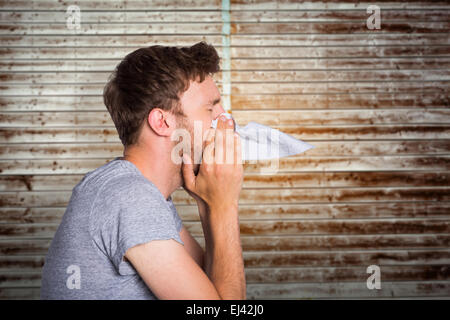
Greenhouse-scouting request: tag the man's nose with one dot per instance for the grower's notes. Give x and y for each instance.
(218, 111)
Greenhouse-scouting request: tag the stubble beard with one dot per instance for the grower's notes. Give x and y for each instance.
(183, 123)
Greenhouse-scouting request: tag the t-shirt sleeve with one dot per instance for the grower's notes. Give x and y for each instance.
(178, 221)
(137, 213)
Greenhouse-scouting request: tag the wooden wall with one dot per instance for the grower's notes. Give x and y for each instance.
(375, 103)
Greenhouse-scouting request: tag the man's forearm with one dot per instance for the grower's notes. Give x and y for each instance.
(223, 260)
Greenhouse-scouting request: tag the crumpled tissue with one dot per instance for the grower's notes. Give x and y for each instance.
(260, 142)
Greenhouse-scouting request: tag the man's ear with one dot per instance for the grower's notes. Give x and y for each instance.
(160, 122)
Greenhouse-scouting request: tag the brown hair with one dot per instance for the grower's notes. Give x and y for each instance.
(154, 77)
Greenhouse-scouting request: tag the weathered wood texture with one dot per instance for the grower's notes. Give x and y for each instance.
(374, 103)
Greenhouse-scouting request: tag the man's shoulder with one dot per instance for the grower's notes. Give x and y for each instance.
(126, 186)
(120, 183)
(114, 175)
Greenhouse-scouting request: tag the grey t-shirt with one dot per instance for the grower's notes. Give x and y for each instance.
(112, 209)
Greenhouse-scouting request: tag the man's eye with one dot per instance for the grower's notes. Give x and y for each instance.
(210, 109)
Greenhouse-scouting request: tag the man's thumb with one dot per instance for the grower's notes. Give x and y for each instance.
(188, 172)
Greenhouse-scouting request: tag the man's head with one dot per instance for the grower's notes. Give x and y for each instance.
(157, 89)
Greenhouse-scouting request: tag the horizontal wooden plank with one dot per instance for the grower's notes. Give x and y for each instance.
(291, 76)
(306, 64)
(292, 87)
(291, 39)
(58, 119)
(241, 76)
(286, 275)
(60, 135)
(105, 150)
(31, 246)
(327, 5)
(331, 15)
(94, 65)
(57, 89)
(74, 52)
(64, 119)
(350, 290)
(336, 195)
(354, 226)
(344, 179)
(326, 27)
(317, 259)
(322, 148)
(247, 102)
(372, 87)
(236, 52)
(367, 132)
(39, 246)
(276, 228)
(148, 28)
(56, 77)
(270, 118)
(235, 16)
(22, 263)
(337, 63)
(339, 242)
(142, 17)
(294, 101)
(300, 163)
(115, 5)
(20, 293)
(20, 279)
(350, 51)
(291, 259)
(215, 27)
(332, 117)
(296, 39)
(299, 211)
(55, 103)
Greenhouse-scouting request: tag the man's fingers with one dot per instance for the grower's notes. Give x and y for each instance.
(237, 149)
(222, 140)
(230, 146)
(209, 151)
(219, 140)
(219, 146)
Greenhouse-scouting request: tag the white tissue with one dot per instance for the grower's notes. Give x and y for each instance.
(260, 142)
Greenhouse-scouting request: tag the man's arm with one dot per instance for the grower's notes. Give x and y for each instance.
(205, 260)
(224, 263)
(193, 247)
(170, 272)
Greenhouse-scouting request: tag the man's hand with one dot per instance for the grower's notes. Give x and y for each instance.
(219, 181)
(202, 206)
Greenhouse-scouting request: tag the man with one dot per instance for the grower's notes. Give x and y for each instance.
(121, 236)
